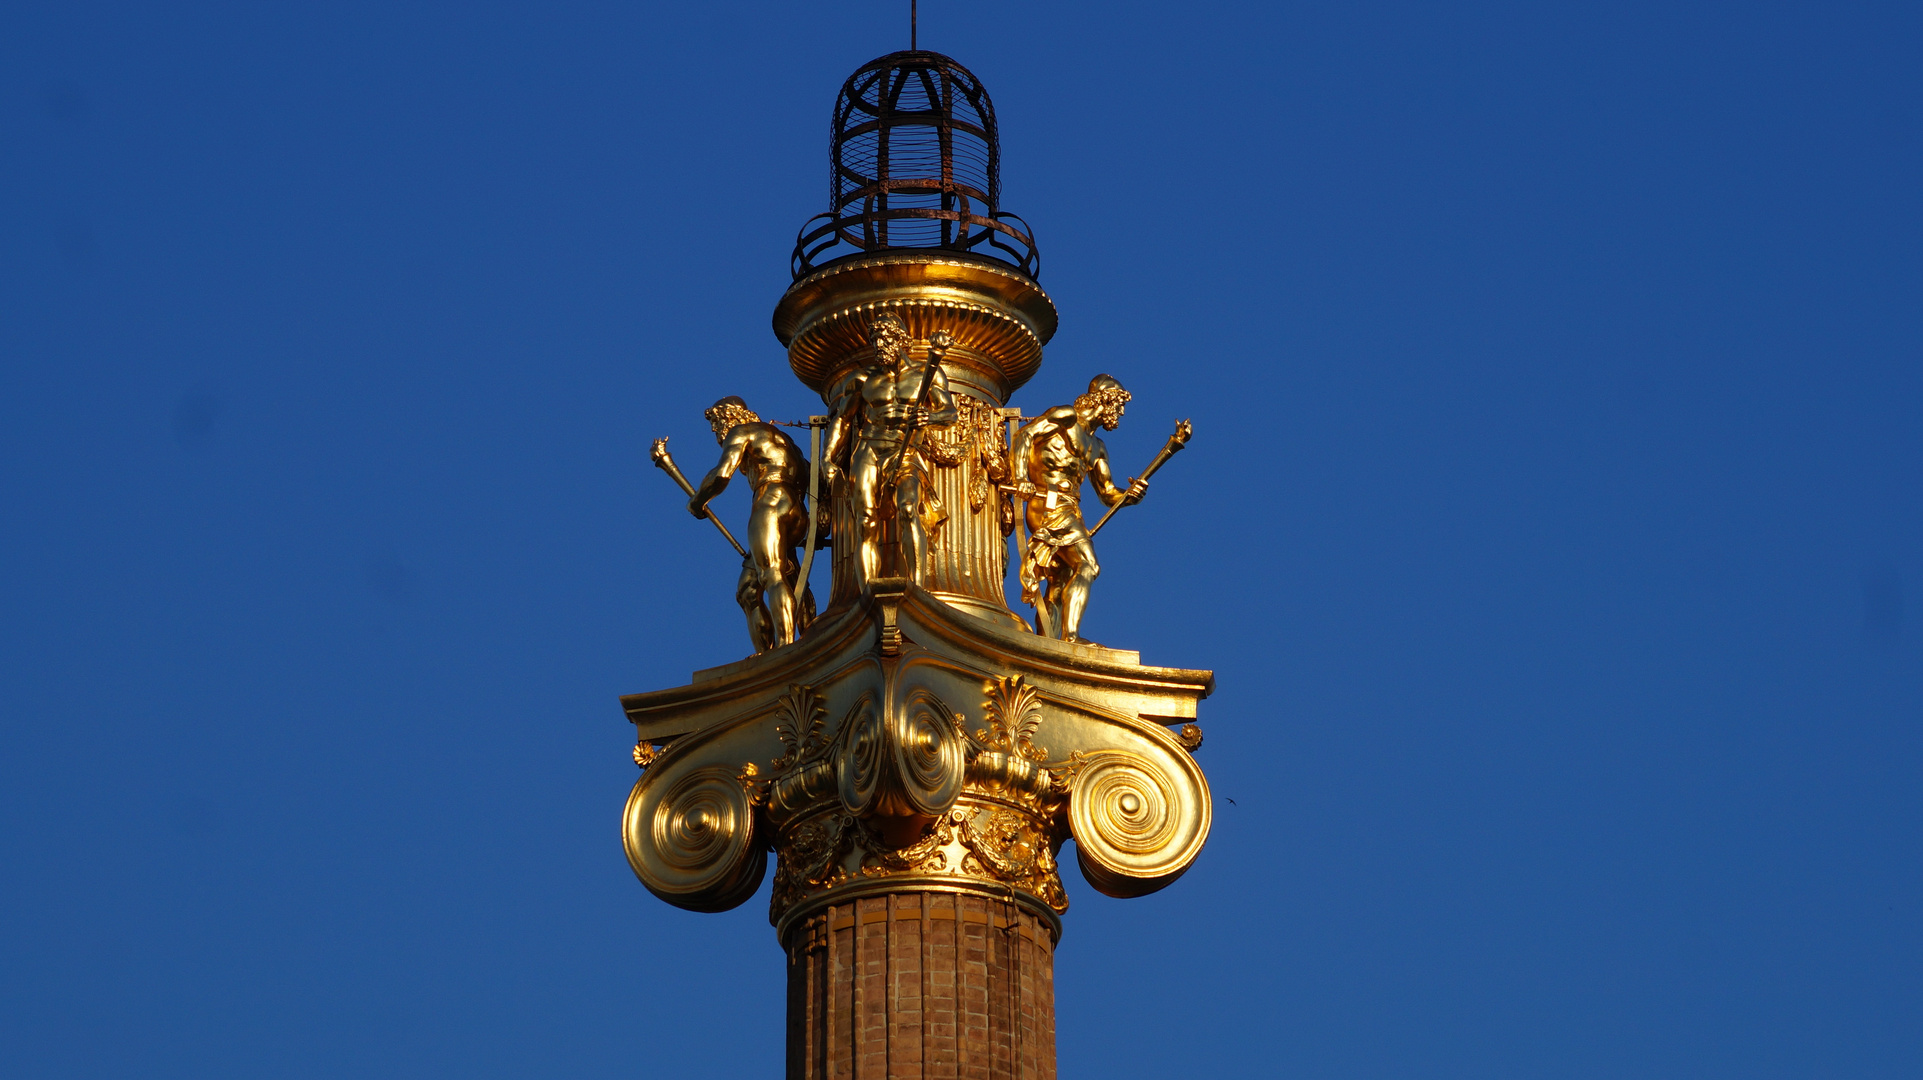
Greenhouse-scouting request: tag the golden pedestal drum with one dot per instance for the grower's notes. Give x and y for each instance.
(999, 320)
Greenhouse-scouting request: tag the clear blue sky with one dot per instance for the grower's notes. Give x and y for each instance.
(1552, 522)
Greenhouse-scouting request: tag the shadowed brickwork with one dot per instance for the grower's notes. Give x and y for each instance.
(921, 985)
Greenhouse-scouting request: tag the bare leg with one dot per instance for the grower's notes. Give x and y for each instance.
(747, 593)
(770, 532)
(1080, 557)
(864, 490)
(780, 605)
(796, 601)
(914, 538)
(870, 551)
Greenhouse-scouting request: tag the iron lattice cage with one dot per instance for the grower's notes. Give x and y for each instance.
(914, 162)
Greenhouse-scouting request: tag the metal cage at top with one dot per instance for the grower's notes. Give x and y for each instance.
(914, 162)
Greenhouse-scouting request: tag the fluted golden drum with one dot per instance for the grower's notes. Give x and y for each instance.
(999, 318)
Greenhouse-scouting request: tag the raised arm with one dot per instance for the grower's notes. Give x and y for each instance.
(941, 403)
(1023, 448)
(844, 403)
(1102, 479)
(732, 449)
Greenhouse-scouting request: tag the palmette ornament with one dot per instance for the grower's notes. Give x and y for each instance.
(916, 756)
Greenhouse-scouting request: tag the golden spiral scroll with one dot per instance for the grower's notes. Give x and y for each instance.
(691, 839)
(929, 756)
(1137, 825)
(859, 765)
(909, 765)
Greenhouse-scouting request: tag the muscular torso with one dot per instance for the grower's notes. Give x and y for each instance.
(1060, 457)
(1059, 460)
(887, 394)
(770, 460)
(1058, 453)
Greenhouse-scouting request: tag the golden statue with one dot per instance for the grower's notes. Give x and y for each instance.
(777, 605)
(1052, 454)
(877, 411)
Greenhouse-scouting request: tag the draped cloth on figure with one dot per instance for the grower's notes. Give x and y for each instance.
(1061, 527)
(915, 463)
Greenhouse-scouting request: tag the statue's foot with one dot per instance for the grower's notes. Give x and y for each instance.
(1077, 639)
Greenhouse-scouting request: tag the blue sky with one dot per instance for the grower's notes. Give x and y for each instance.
(1551, 521)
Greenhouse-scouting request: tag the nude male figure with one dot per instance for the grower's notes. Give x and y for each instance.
(778, 471)
(876, 413)
(1053, 453)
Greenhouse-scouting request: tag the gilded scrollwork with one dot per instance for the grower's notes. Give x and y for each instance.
(899, 767)
(912, 789)
(810, 858)
(1137, 821)
(860, 757)
(928, 854)
(929, 755)
(1014, 847)
(1004, 756)
(693, 839)
(916, 736)
(864, 775)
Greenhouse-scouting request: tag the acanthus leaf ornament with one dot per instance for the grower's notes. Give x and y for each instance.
(805, 773)
(1013, 711)
(1005, 755)
(870, 778)
(800, 720)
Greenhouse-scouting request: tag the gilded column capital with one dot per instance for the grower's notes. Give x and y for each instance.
(928, 749)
